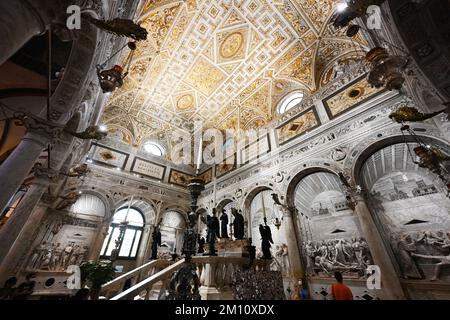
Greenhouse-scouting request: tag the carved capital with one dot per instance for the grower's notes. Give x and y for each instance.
(48, 199)
(38, 126)
(45, 173)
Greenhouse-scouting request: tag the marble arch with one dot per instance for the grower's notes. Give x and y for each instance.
(358, 155)
(301, 170)
(146, 206)
(290, 191)
(222, 204)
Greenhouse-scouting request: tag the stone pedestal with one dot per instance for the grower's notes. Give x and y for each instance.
(209, 293)
(226, 247)
(209, 290)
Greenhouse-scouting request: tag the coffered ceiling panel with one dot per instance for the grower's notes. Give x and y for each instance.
(226, 63)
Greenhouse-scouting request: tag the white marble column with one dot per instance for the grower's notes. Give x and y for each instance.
(391, 288)
(19, 163)
(208, 291)
(145, 246)
(94, 251)
(296, 270)
(16, 236)
(19, 22)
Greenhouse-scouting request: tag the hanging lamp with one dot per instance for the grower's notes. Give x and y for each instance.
(111, 79)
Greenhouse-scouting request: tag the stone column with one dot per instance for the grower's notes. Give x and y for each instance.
(208, 290)
(144, 251)
(20, 162)
(391, 288)
(296, 270)
(94, 251)
(20, 20)
(17, 235)
(179, 234)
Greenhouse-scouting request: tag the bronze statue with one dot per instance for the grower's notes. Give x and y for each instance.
(120, 27)
(213, 231)
(224, 225)
(156, 237)
(238, 224)
(411, 114)
(201, 242)
(266, 240)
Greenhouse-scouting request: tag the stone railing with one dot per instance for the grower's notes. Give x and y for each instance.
(145, 271)
(144, 288)
(215, 274)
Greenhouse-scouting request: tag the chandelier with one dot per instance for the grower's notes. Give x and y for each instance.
(427, 156)
(112, 79)
(386, 70)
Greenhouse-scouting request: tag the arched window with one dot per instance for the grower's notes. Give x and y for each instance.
(154, 149)
(290, 101)
(132, 237)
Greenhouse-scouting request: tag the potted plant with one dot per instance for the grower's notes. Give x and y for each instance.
(95, 274)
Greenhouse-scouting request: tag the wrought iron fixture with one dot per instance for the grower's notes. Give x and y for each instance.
(386, 70)
(122, 229)
(185, 283)
(429, 157)
(68, 200)
(77, 171)
(111, 79)
(411, 114)
(92, 132)
(120, 27)
(278, 220)
(350, 191)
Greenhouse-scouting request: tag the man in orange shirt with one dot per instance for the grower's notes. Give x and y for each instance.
(339, 290)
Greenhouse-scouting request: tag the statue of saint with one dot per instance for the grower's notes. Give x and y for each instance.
(213, 232)
(201, 242)
(238, 224)
(224, 225)
(156, 237)
(266, 241)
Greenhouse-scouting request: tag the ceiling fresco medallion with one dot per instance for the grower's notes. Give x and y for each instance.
(210, 61)
(232, 45)
(185, 102)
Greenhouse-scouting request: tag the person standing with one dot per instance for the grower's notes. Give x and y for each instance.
(339, 290)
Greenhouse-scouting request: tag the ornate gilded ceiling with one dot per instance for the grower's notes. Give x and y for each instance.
(226, 63)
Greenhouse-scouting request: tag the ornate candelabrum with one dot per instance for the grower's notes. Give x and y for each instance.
(112, 79)
(386, 70)
(196, 186)
(185, 283)
(429, 157)
(115, 252)
(350, 191)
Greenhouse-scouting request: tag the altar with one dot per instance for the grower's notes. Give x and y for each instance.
(226, 247)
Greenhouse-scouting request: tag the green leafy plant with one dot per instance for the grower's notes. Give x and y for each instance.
(95, 274)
